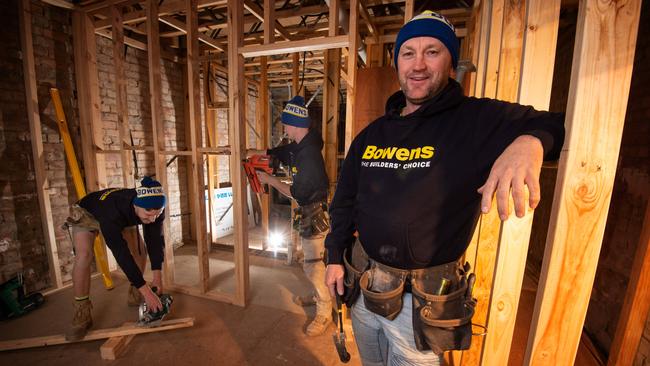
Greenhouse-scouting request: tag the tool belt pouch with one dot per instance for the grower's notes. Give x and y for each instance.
(313, 220)
(442, 322)
(382, 291)
(79, 217)
(355, 264)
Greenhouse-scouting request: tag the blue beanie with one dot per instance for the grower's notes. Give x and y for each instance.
(295, 113)
(150, 194)
(430, 24)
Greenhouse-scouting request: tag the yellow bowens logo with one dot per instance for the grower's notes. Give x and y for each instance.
(399, 153)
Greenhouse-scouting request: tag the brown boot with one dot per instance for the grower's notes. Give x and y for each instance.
(81, 321)
(134, 297)
(308, 300)
(318, 326)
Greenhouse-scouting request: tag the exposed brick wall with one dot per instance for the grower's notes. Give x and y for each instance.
(139, 119)
(22, 244)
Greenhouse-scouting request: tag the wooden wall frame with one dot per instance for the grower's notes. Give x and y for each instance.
(42, 185)
(602, 69)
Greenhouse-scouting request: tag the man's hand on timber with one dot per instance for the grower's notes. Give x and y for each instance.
(519, 165)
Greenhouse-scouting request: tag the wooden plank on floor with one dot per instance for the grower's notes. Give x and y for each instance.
(237, 123)
(600, 82)
(115, 347)
(94, 335)
(211, 295)
(29, 72)
(636, 305)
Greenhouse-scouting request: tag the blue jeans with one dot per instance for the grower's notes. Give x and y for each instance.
(388, 343)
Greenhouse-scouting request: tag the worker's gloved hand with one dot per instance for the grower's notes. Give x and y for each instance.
(153, 301)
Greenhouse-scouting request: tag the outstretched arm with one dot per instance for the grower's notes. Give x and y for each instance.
(282, 187)
(519, 165)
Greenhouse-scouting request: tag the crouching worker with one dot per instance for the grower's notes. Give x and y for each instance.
(109, 212)
(309, 189)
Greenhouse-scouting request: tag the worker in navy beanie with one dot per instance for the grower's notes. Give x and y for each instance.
(309, 189)
(429, 24)
(150, 194)
(114, 213)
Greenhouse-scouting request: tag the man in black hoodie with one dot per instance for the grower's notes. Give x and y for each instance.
(309, 189)
(413, 185)
(109, 212)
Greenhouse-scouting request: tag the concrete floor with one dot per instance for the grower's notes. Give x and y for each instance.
(268, 332)
(222, 335)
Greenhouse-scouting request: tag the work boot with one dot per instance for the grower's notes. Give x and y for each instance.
(318, 326)
(134, 297)
(308, 300)
(81, 321)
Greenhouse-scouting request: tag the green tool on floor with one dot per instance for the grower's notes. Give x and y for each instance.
(14, 302)
(150, 319)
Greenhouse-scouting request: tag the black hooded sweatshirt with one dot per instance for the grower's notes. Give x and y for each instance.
(113, 209)
(408, 184)
(307, 168)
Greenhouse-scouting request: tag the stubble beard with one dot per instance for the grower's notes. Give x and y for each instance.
(433, 90)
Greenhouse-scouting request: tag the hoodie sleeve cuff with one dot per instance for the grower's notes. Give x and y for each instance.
(334, 256)
(546, 140)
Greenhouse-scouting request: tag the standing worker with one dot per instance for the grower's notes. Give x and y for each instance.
(413, 185)
(309, 189)
(109, 212)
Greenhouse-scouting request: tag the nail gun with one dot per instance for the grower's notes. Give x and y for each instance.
(254, 163)
(150, 319)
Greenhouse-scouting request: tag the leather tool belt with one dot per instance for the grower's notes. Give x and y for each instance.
(313, 219)
(441, 298)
